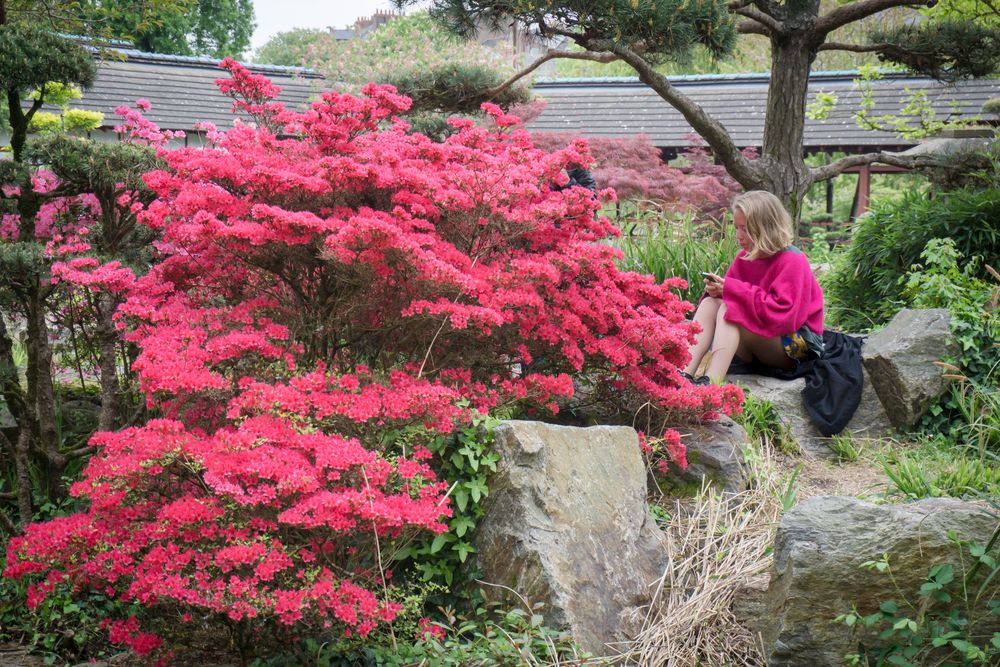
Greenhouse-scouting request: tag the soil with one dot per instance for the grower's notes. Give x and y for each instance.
(864, 478)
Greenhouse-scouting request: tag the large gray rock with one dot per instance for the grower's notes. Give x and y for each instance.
(567, 525)
(900, 360)
(817, 574)
(869, 421)
(714, 453)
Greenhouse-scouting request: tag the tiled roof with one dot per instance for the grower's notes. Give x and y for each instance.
(622, 107)
(182, 89)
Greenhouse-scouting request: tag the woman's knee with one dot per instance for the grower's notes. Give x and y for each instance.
(710, 305)
(720, 315)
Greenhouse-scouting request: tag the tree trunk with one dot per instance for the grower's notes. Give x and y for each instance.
(45, 403)
(107, 339)
(24, 414)
(22, 455)
(784, 167)
(10, 384)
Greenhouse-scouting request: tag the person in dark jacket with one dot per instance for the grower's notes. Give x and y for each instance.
(578, 176)
(582, 177)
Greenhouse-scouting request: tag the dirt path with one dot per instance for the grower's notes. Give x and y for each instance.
(864, 479)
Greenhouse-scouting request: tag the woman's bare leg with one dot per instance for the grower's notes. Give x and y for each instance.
(732, 340)
(706, 316)
(725, 345)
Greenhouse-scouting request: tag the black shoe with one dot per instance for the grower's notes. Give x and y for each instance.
(697, 381)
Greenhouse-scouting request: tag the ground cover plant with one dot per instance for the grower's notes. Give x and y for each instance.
(949, 620)
(331, 293)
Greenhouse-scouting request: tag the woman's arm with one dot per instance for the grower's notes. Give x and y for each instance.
(778, 306)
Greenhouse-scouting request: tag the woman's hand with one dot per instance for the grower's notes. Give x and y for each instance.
(713, 285)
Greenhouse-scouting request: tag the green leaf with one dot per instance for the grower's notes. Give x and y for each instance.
(477, 487)
(963, 645)
(942, 574)
(461, 497)
(464, 549)
(901, 623)
(440, 541)
(941, 596)
(462, 524)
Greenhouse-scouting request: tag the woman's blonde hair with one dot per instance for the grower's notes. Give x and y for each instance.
(768, 224)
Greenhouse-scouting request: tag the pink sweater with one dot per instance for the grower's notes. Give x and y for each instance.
(773, 296)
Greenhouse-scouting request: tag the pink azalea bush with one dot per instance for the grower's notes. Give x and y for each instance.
(326, 282)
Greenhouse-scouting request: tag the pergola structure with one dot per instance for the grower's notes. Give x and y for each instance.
(621, 107)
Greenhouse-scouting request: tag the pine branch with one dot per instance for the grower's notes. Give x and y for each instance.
(855, 48)
(837, 167)
(758, 23)
(856, 11)
(710, 129)
(549, 55)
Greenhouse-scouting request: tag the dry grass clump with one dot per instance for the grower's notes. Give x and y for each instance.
(717, 543)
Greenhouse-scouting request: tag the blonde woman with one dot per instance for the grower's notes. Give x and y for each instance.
(768, 308)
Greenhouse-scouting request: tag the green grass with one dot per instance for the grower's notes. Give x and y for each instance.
(847, 449)
(667, 248)
(936, 469)
(762, 423)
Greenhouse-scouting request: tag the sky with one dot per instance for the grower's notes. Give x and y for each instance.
(274, 16)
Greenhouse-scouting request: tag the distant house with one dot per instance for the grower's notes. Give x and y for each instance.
(182, 91)
(364, 25)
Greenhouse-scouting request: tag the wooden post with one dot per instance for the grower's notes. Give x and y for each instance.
(863, 192)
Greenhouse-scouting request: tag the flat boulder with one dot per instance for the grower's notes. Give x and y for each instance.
(900, 360)
(566, 525)
(714, 454)
(817, 573)
(869, 421)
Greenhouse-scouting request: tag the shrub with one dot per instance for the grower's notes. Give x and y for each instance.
(328, 281)
(865, 286)
(635, 169)
(969, 414)
(81, 120)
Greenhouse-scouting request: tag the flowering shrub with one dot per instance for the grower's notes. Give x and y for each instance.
(327, 279)
(635, 169)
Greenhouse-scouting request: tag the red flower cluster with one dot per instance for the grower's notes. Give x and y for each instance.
(331, 289)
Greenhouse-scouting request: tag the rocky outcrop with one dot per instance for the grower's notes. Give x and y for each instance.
(820, 547)
(715, 454)
(900, 361)
(869, 421)
(567, 525)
